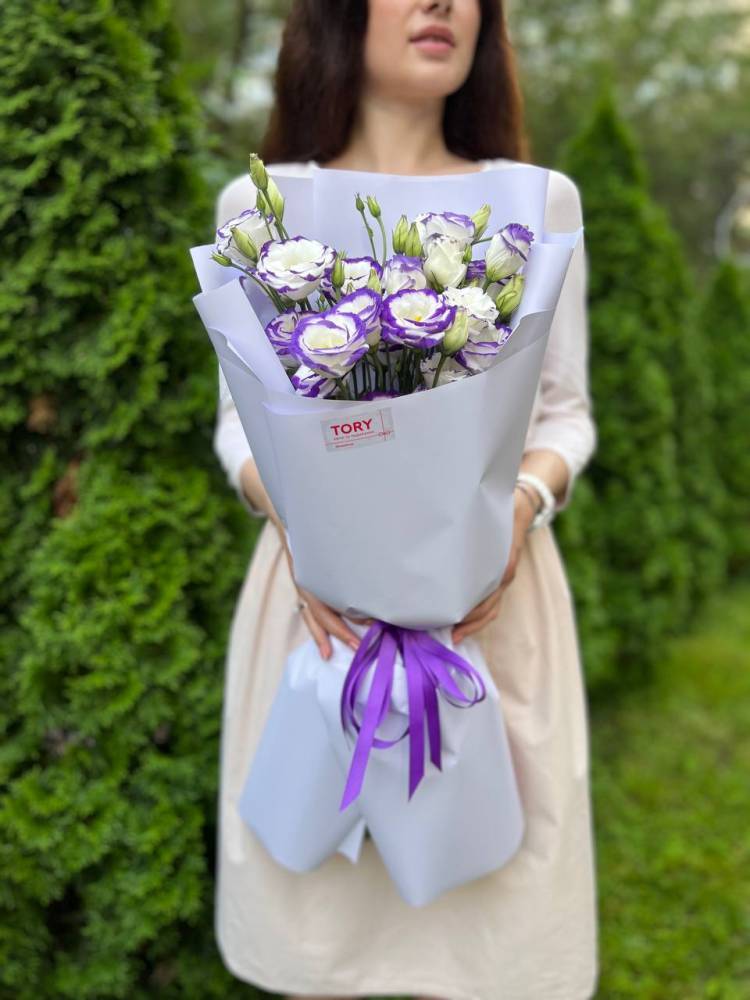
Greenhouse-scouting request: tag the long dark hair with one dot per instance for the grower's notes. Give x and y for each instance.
(319, 78)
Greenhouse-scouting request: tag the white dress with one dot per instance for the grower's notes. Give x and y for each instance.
(525, 932)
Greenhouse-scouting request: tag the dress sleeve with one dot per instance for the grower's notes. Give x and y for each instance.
(230, 444)
(564, 420)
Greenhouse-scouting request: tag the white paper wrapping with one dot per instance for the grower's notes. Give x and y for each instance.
(462, 822)
(398, 509)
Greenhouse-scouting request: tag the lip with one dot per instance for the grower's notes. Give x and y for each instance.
(434, 36)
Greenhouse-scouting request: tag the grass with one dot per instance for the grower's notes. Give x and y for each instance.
(671, 789)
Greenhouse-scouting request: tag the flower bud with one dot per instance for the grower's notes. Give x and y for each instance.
(275, 199)
(337, 273)
(221, 259)
(373, 281)
(244, 244)
(359, 204)
(373, 206)
(399, 234)
(258, 174)
(412, 243)
(480, 220)
(509, 296)
(467, 254)
(457, 333)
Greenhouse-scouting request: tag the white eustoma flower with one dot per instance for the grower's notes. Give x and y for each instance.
(478, 354)
(308, 382)
(480, 307)
(444, 261)
(330, 342)
(451, 371)
(402, 272)
(452, 224)
(508, 250)
(253, 226)
(295, 267)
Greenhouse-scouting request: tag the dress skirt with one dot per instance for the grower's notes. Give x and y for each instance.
(527, 931)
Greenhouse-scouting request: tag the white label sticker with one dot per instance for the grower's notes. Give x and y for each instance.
(357, 430)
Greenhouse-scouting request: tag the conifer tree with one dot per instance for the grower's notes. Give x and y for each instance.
(120, 562)
(636, 317)
(725, 317)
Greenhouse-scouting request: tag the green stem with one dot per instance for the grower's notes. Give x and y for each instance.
(385, 240)
(344, 391)
(438, 369)
(370, 234)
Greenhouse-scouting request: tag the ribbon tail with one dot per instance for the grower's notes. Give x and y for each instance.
(378, 699)
(415, 690)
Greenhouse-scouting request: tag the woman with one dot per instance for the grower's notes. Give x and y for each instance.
(428, 88)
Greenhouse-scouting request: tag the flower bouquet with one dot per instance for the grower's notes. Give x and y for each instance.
(385, 391)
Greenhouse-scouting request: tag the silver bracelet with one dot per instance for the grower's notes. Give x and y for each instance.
(547, 510)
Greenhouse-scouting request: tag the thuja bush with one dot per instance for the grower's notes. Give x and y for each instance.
(725, 315)
(120, 563)
(652, 530)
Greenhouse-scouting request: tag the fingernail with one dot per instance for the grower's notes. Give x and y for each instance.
(354, 644)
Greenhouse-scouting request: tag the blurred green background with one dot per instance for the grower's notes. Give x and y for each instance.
(124, 548)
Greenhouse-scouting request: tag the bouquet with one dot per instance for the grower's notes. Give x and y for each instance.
(385, 391)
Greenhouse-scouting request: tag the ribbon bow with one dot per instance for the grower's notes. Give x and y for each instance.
(426, 662)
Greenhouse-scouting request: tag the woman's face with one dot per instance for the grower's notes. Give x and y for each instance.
(418, 50)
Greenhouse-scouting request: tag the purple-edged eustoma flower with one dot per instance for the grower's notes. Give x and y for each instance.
(307, 382)
(475, 270)
(356, 274)
(478, 355)
(279, 331)
(415, 318)
(451, 371)
(295, 267)
(330, 342)
(402, 272)
(252, 224)
(444, 262)
(452, 224)
(379, 394)
(507, 251)
(364, 303)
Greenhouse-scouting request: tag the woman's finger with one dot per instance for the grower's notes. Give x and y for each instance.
(335, 625)
(461, 631)
(318, 633)
(481, 609)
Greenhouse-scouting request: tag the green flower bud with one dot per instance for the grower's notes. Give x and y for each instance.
(221, 259)
(258, 174)
(373, 206)
(509, 296)
(275, 199)
(467, 254)
(373, 281)
(457, 333)
(244, 244)
(480, 220)
(337, 273)
(359, 204)
(399, 234)
(412, 243)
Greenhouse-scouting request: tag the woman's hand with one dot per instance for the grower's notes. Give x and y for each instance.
(486, 610)
(320, 618)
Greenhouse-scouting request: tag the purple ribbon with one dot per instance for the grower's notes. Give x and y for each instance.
(426, 662)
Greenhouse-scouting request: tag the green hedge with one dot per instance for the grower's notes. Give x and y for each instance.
(121, 561)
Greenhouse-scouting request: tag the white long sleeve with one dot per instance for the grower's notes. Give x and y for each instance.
(561, 417)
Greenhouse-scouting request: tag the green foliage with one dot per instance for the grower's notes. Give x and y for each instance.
(120, 562)
(725, 316)
(653, 517)
(670, 764)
